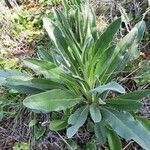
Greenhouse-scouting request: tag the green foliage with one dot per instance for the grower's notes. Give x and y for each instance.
(82, 75)
(100, 132)
(21, 146)
(57, 125)
(143, 74)
(125, 125)
(53, 100)
(113, 140)
(91, 146)
(9, 105)
(28, 20)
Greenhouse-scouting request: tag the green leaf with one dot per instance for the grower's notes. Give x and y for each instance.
(32, 86)
(142, 75)
(32, 123)
(23, 89)
(126, 50)
(91, 146)
(1, 113)
(100, 132)
(60, 42)
(120, 57)
(23, 85)
(65, 5)
(135, 53)
(43, 67)
(145, 122)
(113, 86)
(103, 42)
(103, 61)
(53, 100)
(39, 132)
(77, 119)
(44, 54)
(78, 2)
(49, 70)
(113, 140)
(125, 104)
(95, 113)
(135, 95)
(56, 125)
(101, 48)
(127, 127)
(72, 145)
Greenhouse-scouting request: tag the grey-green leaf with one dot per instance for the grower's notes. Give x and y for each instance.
(95, 113)
(77, 119)
(100, 132)
(113, 86)
(32, 85)
(127, 127)
(53, 100)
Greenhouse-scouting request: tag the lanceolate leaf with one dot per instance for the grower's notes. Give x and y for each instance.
(24, 89)
(127, 127)
(77, 119)
(50, 71)
(125, 104)
(77, 115)
(128, 101)
(100, 132)
(135, 53)
(125, 51)
(135, 95)
(46, 68)
(113, 86)
(113, 140)
(42, 84)
(53, 100)
(116, 62)
(95, 113)
(32, 86)
(103, 42)
(5, 74)
(60, 42)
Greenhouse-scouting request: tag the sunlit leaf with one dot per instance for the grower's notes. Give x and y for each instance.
(113, 86)
(53, 100)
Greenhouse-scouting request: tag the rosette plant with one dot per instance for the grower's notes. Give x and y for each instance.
(79, 78)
